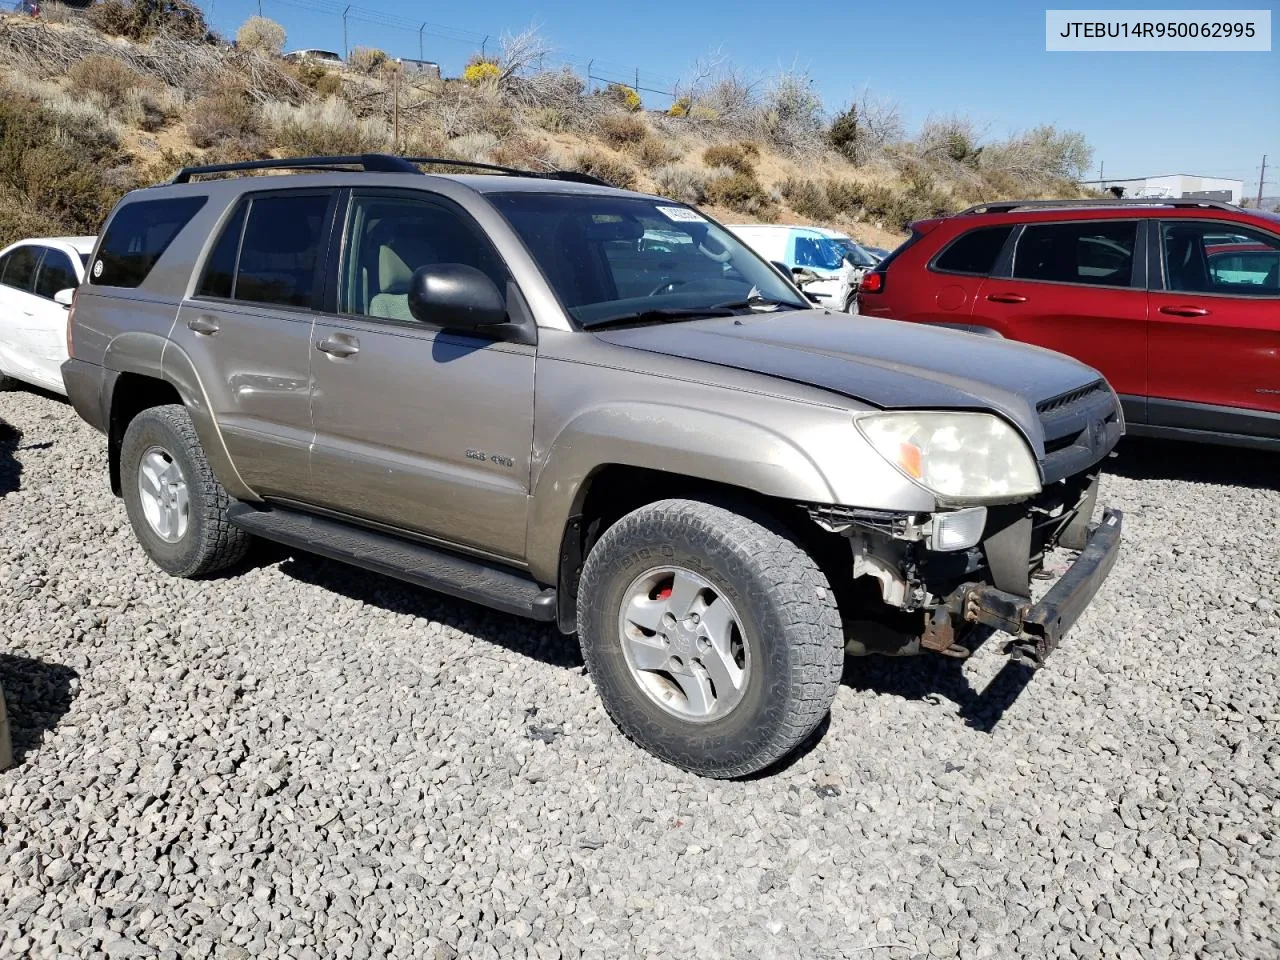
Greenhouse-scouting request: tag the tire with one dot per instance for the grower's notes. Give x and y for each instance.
(206, 542)
(789, 652)
(852, 306)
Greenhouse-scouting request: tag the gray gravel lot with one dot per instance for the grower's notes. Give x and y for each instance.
(303, 760)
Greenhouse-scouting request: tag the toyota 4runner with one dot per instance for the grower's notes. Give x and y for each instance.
(589, 407)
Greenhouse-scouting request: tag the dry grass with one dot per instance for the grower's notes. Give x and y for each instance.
(327, 127)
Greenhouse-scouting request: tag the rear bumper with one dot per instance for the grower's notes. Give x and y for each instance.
(84, 383)
(1038, 628)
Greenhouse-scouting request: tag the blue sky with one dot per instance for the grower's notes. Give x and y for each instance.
(1213, 114)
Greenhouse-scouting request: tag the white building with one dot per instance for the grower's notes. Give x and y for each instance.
(1176, 185)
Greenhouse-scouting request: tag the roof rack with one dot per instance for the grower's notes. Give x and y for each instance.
(376, 163)
(1007, 206)
(572, 176)
(369, 162)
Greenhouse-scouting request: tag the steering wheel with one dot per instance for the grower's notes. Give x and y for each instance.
(666, 287)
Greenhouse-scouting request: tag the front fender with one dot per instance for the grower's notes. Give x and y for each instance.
(157, 357)
(690, 442)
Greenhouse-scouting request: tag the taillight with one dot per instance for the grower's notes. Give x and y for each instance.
(71, 319)
(872, 282)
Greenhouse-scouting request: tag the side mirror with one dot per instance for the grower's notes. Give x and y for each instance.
(781, 267)
(65, 297)
(454, 296)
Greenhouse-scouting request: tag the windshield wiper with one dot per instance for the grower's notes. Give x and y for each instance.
(660, 315)
(757, 300)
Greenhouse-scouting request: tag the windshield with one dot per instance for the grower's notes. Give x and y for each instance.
(822, 253)
(611, 258)
(854, 253)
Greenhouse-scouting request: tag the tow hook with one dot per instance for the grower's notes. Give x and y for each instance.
(940, 634)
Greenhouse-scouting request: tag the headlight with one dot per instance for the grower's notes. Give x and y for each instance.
(957, 456)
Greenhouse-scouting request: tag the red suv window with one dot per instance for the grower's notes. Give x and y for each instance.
(1099, 253)
(974, 252)
(1204, 257)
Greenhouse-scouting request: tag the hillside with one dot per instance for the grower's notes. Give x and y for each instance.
(92, 107)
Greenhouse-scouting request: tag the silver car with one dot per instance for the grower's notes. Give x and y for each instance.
(590, 407)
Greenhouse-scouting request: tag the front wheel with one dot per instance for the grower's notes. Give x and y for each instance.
(176, 506)
(713, 640)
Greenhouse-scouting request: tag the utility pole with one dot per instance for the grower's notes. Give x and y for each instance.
(1102, 184)
(420, 29)
(483, 43)
(346, 51)
(1262, 178)
(395, 136)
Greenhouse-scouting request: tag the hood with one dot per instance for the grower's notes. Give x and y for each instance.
(883, 363)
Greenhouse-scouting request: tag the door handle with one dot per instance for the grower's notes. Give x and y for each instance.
(1185, 311)
(203, 325)
(341, 348)
(1007, 298)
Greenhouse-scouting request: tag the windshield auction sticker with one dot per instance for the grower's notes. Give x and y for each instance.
(1171, 31)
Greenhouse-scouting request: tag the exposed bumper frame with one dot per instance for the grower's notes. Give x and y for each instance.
(1038, 628)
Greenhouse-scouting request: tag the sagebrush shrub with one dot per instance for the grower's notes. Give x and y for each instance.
(526, 153)
(619, 130)
(738, 191)
(143, 19)
(846, 196)
(261, 35)
(609, 169)
(650, 152)
(326, 127)
(226, 114)
(735, 156)
(807, 198)
(551, 119)
(325, 83)
(687, 184)
(56, 176)
(495, 119)
(367, 60)
(106, 76)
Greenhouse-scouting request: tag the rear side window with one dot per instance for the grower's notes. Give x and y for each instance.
(137, 237)
(280, 249)
(975, 252)
(20, 268)
(56, 273)
(220, 270)
(1098, 253)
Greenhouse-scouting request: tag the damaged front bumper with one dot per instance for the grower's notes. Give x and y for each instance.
(1037, 627)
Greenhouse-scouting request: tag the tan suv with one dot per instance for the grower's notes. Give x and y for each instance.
(590, 407)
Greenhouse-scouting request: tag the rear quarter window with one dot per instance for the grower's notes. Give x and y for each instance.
(974, 252)
(137, 237)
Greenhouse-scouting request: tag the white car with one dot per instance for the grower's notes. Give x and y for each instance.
(837, 261)
(37, 280)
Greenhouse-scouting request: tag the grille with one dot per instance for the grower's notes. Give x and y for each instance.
(1053, 404)
(1080, 428)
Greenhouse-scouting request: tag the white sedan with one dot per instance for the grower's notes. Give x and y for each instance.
(37, 279)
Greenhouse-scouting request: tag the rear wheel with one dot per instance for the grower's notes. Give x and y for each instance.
(713, 640)
(176, 506)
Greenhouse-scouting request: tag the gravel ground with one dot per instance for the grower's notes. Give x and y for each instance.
(302, 760)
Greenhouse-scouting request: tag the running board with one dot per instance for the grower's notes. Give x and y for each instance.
(458, 576)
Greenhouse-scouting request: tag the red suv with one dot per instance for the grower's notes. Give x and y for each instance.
(1177, 302)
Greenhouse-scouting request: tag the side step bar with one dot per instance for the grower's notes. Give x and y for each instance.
(458, 576)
